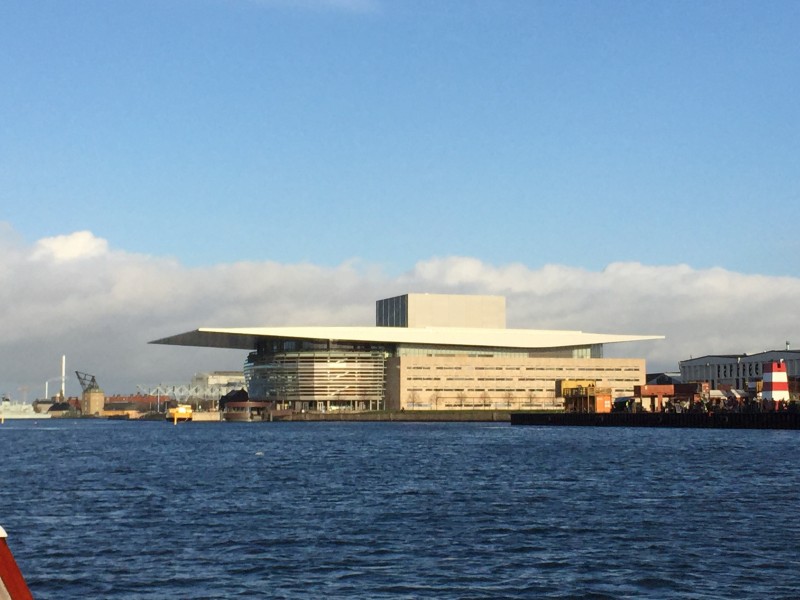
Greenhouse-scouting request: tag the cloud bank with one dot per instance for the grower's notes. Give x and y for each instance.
(76, 295)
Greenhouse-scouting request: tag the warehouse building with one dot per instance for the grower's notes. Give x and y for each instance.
(426, 352)
(739, 371)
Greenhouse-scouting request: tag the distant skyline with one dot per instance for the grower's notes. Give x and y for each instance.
(78, 295)
(609, 166)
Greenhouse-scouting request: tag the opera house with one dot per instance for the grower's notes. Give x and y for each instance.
(426, 352)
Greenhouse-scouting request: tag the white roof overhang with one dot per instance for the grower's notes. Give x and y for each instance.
(245, 338)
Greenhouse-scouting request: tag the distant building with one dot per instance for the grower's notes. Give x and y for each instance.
(133, 405)
(218, 383)
(739, 371)
(426, 352)
(204, 387)
(92, 402)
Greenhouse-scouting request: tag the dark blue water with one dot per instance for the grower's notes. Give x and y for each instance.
(105, 509)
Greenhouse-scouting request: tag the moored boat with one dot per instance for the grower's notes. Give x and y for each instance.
(247, 410)
(182, 412)
(18, 410)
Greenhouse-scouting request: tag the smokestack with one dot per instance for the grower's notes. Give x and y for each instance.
(63, 374)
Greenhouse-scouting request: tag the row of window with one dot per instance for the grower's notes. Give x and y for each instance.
(594, 351)
(615, 379)
(520, 368)
(731, 370)
(479, 390)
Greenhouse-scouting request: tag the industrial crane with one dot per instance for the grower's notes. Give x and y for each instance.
(88, 382)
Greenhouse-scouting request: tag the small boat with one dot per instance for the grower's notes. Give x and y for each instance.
(12, 583)
(247, 410)
(182, 412)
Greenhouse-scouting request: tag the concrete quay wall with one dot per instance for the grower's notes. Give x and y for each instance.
(764, 420)
(403, 416)
(210, 416)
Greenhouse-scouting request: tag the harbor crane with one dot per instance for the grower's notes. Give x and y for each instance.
(88, 382)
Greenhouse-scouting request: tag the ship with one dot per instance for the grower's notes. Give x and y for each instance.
(19, 410)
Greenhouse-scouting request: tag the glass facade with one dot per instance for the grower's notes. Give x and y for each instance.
(392, 312)
(303, 378)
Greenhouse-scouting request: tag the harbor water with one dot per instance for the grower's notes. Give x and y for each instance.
(115, 509)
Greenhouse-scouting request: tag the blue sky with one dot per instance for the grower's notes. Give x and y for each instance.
(574, 133)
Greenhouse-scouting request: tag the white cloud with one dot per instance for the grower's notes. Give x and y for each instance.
(75, 295)
(76, 246)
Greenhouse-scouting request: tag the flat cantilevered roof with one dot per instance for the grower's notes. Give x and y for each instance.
(245, 338)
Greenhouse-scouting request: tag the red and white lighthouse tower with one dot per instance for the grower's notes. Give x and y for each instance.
(775, 382)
